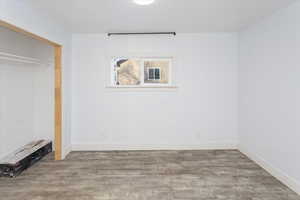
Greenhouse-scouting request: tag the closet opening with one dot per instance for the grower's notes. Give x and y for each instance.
(36, 60)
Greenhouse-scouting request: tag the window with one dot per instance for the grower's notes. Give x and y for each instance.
(127, 71)
(153, 74)
(141, 72)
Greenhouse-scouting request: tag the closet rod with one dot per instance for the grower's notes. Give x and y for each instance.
(23, 59)
(20, 60)
(17, 56)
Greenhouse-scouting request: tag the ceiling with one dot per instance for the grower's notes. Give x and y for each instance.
(187, 16)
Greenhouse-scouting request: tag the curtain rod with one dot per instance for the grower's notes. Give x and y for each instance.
(144, 33)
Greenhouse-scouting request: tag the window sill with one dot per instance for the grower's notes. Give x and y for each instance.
(126, 87)
(162, 88)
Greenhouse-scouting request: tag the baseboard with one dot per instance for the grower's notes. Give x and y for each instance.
(280, 175)
(66, 151)
(132, 147)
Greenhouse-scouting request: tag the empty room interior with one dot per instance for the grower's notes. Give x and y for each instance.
(150, 100)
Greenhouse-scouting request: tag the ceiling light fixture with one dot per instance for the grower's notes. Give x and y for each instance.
(143, 2)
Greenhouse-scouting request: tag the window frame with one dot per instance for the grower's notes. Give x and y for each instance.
(142, 76)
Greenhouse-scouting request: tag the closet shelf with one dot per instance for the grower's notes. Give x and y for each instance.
(23, 59)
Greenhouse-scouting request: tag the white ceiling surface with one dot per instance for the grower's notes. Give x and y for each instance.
(186, 16)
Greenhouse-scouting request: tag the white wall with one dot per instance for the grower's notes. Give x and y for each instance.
(269, 109)
(200, 113)
(44, 101)
(16, 115)
(24, 14)
(27, 93)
